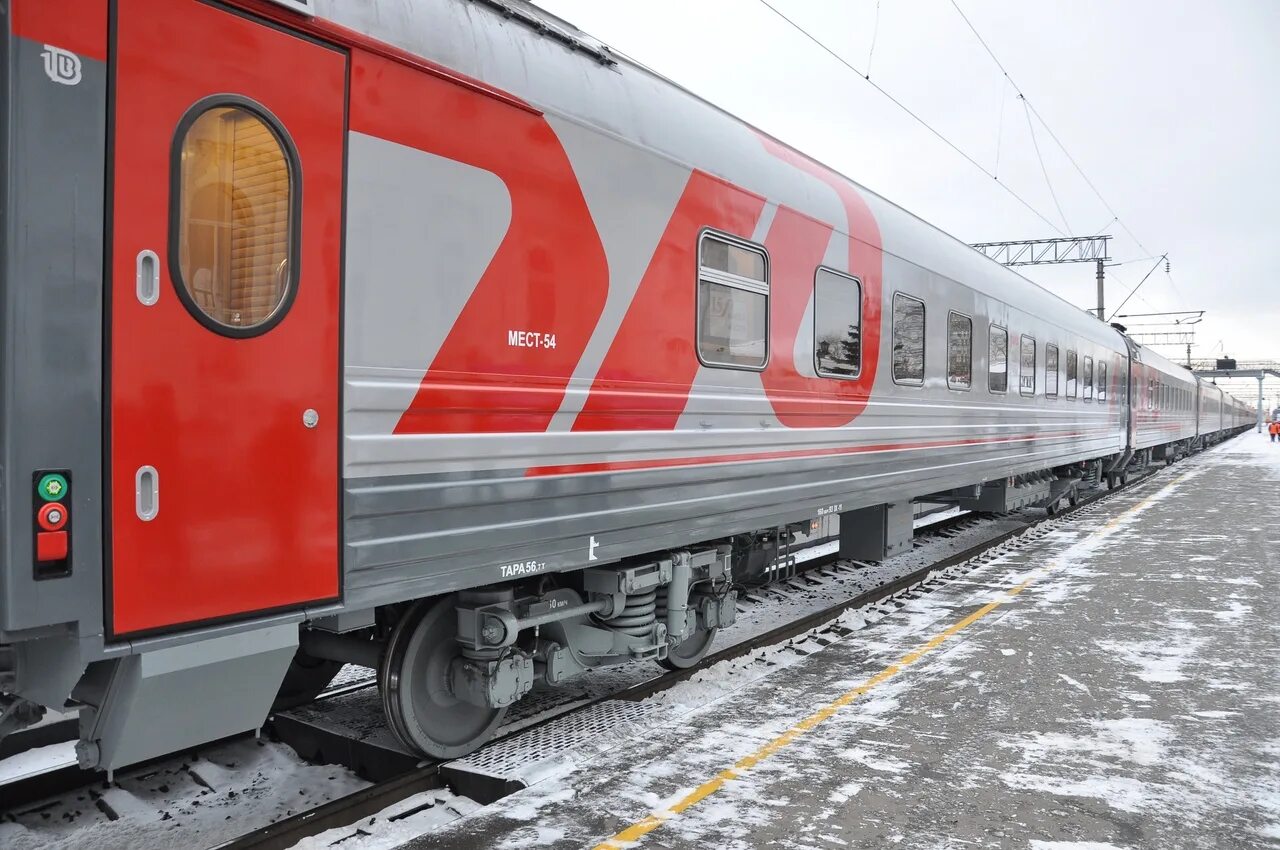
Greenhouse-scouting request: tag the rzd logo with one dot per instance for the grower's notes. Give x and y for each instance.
(61, 66)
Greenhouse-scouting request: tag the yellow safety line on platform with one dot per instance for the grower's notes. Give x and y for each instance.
(647, 825)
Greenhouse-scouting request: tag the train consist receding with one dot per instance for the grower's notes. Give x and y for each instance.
(435, 336)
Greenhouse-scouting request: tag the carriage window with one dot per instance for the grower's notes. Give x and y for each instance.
(908, 339)
(1027, 371)
(1102, 382)
(1071, 374)
(236, 220)
(837, 324)
(959, 351)
(733, 303)
(1088, 379)
(1051, 371)
(998, 360)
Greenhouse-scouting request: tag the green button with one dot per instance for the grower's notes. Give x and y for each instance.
(52, 487)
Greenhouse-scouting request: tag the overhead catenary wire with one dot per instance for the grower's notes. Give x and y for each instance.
(821, 45)
(1032, 109)
(1043, 170)
(1134, 291)
(875, 33)
(1004, 92)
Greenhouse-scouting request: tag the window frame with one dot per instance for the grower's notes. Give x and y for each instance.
(969, 319)
(924, 340)
(290, 151)
(1057, 367)
(1102, 380)
(732, 281)
(1086, 378)
(1034, 361)
(857, 281)
(1071, 390)
(994, 327)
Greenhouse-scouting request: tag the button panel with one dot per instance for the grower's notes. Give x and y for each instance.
(51, 523)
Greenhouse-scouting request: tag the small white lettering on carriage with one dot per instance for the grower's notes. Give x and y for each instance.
(830, 509)
(522, 568)
(530, 339)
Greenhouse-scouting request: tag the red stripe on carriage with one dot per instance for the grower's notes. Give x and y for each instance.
(828, 403)
(507, 359)
(747, 457)
(644, 382)
(79, 26)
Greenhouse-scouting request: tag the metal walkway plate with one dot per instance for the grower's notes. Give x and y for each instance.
(517, 761)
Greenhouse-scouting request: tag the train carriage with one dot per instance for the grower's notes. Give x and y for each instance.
(1210, 416)
(437, 337)
(1164, 405)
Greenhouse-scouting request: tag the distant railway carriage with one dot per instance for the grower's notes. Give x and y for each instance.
(435, 336)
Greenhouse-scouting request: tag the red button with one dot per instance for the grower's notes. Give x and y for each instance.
(52, 516)
(51, 545)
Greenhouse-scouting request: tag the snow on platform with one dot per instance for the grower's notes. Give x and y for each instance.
(1112, 684)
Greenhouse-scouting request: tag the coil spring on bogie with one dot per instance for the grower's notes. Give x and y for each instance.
(637, 616)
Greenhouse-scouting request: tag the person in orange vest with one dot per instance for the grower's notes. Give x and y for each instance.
(1275, 430)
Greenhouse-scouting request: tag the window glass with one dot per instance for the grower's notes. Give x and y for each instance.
(1051, 371)
(732, 324)
(1027, 370)
(1071, 374)
(1088, 379)
(908, 339)
(733, 304)
(732, 258)
(1102, 381)
(837, 324)
(998, 360)
(235, 210)
(959, 351)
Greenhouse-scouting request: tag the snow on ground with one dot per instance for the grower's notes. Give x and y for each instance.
(231, 789)
(39, 760)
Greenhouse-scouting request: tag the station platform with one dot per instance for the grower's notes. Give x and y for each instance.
(1109, 680)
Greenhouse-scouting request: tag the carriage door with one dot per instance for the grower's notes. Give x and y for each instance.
(224, 323)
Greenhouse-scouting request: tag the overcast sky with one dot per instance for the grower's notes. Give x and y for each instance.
(1170, 107)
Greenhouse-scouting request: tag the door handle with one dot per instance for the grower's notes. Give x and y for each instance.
(147, 493)
(148, 278)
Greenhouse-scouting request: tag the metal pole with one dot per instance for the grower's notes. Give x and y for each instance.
(1101, 276)
(1260, 377)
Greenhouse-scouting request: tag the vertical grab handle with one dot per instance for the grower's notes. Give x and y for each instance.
(147, 493)
(148, 277)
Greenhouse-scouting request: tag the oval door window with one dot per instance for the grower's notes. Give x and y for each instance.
(234, 237)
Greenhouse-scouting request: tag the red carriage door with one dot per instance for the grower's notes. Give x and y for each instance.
(224, 324)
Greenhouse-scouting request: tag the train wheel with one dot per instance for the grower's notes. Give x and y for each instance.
(414, 680)
(689, 653)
